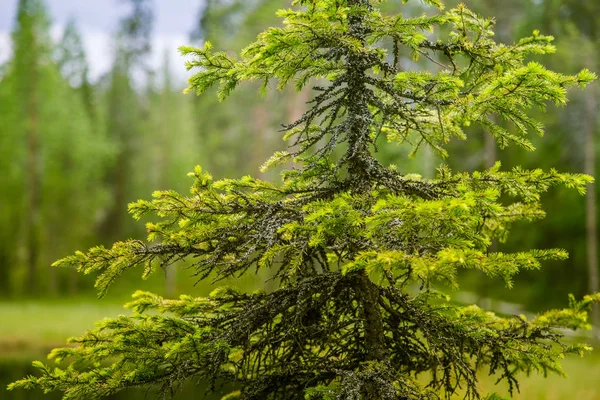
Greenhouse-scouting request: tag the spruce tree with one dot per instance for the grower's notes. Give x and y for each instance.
(361, 253)
(45, 135)
(228, 131)
(72, 60)
(124, 111)
(70, 55)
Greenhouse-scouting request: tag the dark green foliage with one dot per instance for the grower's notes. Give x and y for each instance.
(360, 252)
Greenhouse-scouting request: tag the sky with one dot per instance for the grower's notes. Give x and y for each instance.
(97, 20)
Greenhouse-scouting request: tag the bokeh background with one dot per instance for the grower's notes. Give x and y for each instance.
(92, 117)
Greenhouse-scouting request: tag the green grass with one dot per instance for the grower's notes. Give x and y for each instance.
(32, 328)
(582, 382)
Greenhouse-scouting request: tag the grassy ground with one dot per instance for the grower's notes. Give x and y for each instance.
(582, 382)
(28, 330)
(32, 328)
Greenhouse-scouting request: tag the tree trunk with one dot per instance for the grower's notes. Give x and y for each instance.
(589, 127)
(374, 340)
(296, 107)
(428, 160)
(112, 225)
(260, 117)
(33, 195)
(489, 159)
(119, 127)
(297, 104)
(5, 264)
(489, 150)
(368, 293)
(164, 160)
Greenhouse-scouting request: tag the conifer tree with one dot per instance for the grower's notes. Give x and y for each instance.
(31, 50)
(124, 111)
(361, 253)
(246, 119)
(70, 55)
(72, 60)
(45, 135)
(169, 142)
(583, 31)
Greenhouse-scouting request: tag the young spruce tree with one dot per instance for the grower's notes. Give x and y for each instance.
(359, 251)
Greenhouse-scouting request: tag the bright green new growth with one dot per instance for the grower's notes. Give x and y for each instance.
(358, 250)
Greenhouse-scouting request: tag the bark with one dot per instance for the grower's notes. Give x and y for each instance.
(112, 226)
(33, 193)
(5, 287)
(489, 159)
(428, 160)
(297, 104)
(260, 119)
(359, 116)
(589, 127)
(489, 152)
(369, 296)
(164, 161)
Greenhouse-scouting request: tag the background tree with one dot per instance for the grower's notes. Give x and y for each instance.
(70, 55)
(124, 111)
(564, 148)
(581, 30)
(239, 148)
(72, 61)
(11, 195)
(47, 135)
(31, 47)
(168, 143)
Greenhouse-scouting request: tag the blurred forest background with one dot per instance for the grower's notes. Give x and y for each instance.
(76, 149)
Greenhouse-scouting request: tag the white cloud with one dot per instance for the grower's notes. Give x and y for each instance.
(100, 51)
(5, 47)
(168, 44)
(97, 22)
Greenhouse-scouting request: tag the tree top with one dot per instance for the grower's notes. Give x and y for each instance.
(465, 78)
